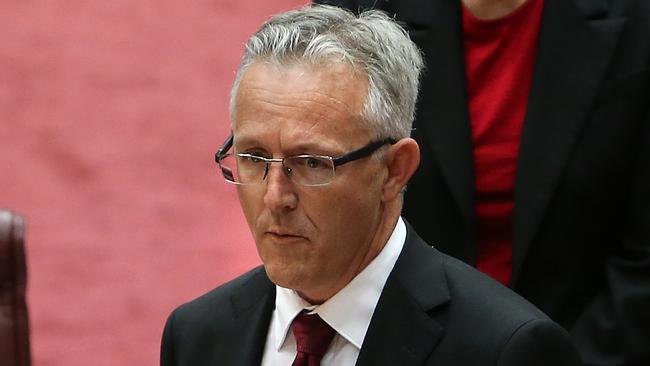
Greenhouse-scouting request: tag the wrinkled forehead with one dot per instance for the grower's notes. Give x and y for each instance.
(300, 101)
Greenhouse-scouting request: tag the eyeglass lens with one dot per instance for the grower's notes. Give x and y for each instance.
(306, 170)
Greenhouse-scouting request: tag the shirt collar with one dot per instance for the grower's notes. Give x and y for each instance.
(350, 310)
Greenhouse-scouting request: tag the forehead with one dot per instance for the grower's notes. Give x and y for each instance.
(299, 103)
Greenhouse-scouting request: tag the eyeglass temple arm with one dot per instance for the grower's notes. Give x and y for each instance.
(363, 152)
(224, 148)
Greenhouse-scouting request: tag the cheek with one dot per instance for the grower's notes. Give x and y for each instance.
(251, 203)
(343, 214)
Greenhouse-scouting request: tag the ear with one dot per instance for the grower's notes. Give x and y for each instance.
(402, 159)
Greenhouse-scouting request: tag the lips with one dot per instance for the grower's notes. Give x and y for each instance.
(284, 233)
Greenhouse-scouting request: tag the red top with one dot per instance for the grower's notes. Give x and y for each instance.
(499, 60)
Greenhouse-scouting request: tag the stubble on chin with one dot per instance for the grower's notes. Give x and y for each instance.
(280, 261)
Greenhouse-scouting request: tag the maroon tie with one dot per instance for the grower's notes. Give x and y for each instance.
(313, 336)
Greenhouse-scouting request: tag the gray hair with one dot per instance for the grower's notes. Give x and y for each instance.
(371, 43)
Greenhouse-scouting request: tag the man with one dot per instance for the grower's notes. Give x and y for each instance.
(534, 127)
(321, 110)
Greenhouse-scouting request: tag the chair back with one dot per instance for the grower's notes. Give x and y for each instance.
(14, 325)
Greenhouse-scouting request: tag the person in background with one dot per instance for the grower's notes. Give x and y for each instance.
(321, 112)
(534, 128)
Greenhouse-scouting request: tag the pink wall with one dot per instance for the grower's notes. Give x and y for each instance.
(110, 112)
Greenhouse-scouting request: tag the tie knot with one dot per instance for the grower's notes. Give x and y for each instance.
(312, 334)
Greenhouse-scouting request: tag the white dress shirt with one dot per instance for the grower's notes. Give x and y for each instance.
(349, 311)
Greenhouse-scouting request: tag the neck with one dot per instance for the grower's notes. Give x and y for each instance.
(492, 9)
(383, 231)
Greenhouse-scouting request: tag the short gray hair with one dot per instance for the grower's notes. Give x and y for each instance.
(371, 43)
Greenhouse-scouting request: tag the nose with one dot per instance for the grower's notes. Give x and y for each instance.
(280, 195)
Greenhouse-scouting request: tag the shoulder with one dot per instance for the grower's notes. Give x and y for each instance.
(539, 342)
(203, 328)
(481, 296)
(424, 270)
(504, 326)
(479, 314)
(218, 305)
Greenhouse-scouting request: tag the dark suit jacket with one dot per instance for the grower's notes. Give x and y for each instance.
(581, 242)
(434, 310)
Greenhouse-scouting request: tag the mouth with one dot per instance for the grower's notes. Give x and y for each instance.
(281, 233)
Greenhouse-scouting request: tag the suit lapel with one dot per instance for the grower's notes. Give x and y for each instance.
(252, 309)
(401, 331)
(443, 116)
(574, 50)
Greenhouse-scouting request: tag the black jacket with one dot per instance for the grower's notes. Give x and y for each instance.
(434, 310)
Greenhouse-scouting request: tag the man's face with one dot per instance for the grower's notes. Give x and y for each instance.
(311, 239)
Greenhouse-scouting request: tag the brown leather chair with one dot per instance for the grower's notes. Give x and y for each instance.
(14, 326)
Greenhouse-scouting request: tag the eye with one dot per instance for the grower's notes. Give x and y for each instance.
(313, 162)
(257, 154)
(254, 158)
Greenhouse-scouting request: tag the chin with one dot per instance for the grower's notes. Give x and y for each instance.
(281, 275)
(285, 276)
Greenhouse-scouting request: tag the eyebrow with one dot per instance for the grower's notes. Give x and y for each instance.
(297, 149)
